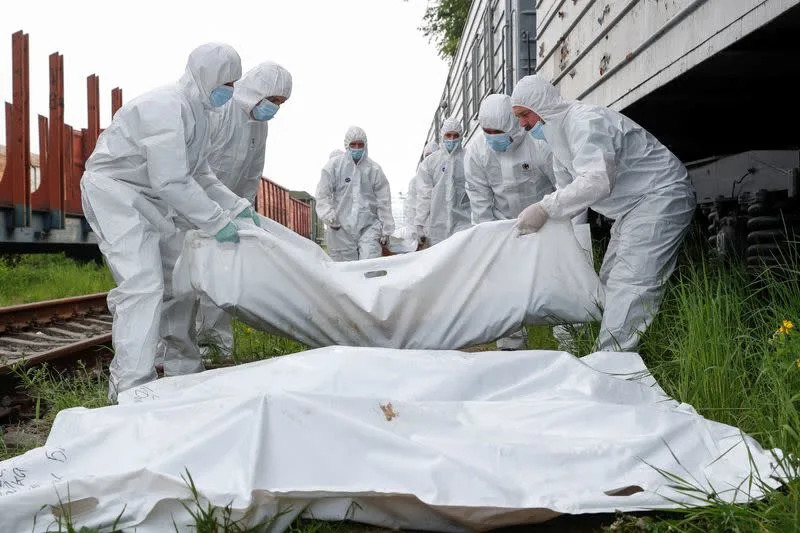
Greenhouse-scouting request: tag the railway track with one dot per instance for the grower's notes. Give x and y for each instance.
(53, 329)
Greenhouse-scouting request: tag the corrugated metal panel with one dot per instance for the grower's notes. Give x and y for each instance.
(275, 202)
(301, 217)
(613, 53)
(6, 197)
(73, 171)
(487, 62)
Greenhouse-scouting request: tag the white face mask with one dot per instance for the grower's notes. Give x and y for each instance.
(537, 131)
(451, 144)
(356, 153)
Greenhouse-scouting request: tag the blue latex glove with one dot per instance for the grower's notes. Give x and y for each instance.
(227, 234)
(249, 213)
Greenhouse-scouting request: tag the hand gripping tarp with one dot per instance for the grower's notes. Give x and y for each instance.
(472, 288)
(428, 440)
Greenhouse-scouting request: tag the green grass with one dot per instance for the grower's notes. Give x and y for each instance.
(541, 338)
(254, 345)
(722, 343)
(36, 277)
(52, 391)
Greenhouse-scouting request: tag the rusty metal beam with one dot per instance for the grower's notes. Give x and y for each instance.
(26, 111)
(72, 191)
(55, 156)
(93, 111)
(6, 197)
(39, 196)
(17, 316)
(84, 348)
(116, 100)
(20, 149)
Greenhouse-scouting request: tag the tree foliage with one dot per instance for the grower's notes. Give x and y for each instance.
(443, 24)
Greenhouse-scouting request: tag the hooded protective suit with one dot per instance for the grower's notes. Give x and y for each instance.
(355, 197)
(149, 166)
(605, 161)
(501, 184)
(237, 145)
(410, 203)
(237, 141)
(442, 206)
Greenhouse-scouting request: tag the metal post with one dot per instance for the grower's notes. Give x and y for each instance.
(55, 156)
(20, 150)
(39, 197)
(93, 112)
(510, 41)
(6, 183)
(72, 200)
(116, 100)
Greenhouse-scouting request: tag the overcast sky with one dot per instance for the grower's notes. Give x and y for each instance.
(361, 62)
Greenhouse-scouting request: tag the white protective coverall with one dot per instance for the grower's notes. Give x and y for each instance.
(442, 207)
(410, 203)
(604, 160)
(237, 145)
(149, 166)
(356, 196)
(501, 184)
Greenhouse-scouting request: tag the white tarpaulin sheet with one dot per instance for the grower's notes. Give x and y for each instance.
(472, 288)
(411, 439)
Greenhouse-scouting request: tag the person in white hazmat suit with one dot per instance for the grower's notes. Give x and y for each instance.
(605, 161)
(442, 207)
(354, 201)
(237, 146)
(506, 171)
(149, 166)
(410, 202)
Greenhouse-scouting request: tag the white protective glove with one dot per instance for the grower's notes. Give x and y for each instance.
(383, 240)
(531, 219)
(334, 224)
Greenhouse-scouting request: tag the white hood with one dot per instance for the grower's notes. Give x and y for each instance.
(264, 80)
(209, 66)
(496, 114)
(541, 97)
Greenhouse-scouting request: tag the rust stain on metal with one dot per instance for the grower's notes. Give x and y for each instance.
(606, 59)
(606, 11)
(388, 412)
(22, 315)
(563, 55)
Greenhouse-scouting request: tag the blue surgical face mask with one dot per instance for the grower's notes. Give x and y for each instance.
(265, 110)
(499, 142)
(356, 153)
(537, 132)
(221, 95)
(451, 144)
